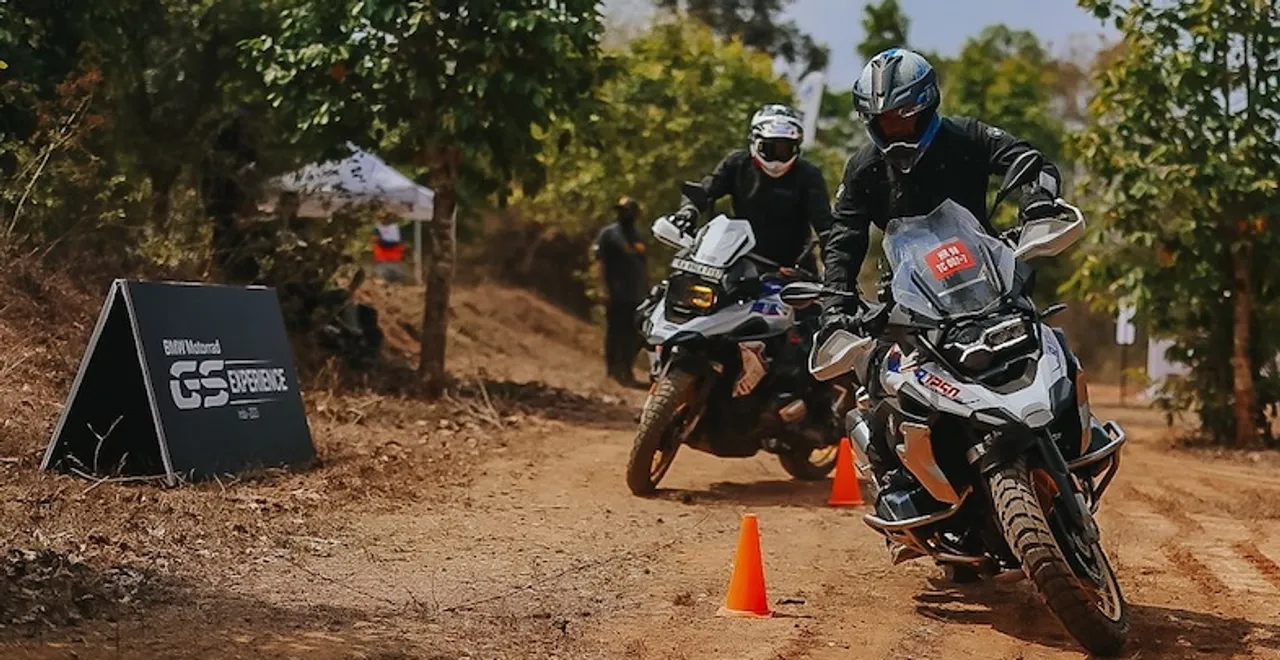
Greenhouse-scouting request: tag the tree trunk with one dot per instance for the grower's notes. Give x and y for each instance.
(161, 196)
(441, 253)
(1245, 397)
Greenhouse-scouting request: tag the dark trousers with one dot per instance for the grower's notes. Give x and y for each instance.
(880, 452)
(621, 339)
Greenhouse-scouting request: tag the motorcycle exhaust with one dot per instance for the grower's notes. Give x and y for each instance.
(793, 412)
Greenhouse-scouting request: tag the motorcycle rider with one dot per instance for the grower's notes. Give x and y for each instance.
(781, 194)
(916, 159)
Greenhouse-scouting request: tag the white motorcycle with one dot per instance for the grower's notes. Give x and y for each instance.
(729, 376)
(987, 409)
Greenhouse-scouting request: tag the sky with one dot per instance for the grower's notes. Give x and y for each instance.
(940, 25)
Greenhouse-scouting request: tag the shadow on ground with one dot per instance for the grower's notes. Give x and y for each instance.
(774, 492)
(185, 619)
(1155, 631)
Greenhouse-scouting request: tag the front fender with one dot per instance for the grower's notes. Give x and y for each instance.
(1000, 448)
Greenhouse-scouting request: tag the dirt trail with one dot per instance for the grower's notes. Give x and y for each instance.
(545, 554)
(551, 543)
(548, 555)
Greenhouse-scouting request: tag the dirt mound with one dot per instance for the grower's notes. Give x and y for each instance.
(45, 319)
(507, 334)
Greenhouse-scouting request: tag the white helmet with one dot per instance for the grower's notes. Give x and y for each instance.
(776, 136)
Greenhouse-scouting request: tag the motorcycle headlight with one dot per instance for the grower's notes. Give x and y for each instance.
(975, 347)
(1006, 334)
(701, 296)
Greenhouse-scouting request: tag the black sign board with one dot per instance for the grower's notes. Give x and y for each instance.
(188, 380)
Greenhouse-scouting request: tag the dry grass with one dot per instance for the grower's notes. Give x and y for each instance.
(79, 550)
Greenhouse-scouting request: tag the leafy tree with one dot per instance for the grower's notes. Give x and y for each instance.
(679, 102)
(758, 24)
(458, 88)
(165, 67)
(885, 26)
(1183, 155)
(1005, 77)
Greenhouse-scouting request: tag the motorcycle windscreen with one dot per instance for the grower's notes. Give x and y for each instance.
(723, 241)
(945, 265)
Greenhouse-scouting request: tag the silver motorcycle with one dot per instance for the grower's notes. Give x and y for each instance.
(987, 410)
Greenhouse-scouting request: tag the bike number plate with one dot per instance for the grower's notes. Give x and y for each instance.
(689, 266)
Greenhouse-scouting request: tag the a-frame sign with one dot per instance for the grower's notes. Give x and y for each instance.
(183, 380)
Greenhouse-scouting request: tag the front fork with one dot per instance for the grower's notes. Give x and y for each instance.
(1000, 449)
(705, 370)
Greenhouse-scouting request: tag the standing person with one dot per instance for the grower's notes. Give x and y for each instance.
(621, 256)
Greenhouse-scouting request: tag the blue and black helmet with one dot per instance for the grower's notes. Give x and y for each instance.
(897, 96)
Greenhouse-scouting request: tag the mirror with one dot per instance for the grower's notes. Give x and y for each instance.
(801, 294)
(1024, 169)
(692, 190)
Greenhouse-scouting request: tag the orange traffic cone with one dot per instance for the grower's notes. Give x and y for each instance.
(746, 595)
(845, 490)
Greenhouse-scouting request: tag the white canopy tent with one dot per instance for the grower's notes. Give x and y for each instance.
(361, 178)
(357, 180)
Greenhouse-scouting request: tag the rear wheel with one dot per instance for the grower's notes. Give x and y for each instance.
(1091, 606)
(809, 464)
(663, 423)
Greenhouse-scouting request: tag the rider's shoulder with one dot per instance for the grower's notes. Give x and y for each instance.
(808, 169)
(970, 128)
(737, 158)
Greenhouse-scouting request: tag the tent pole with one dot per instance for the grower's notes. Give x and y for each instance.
(417, 250)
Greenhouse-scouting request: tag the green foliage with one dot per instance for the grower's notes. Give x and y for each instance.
(679, 102)
(885, 27)
(758, 24)
(1184, 166)
(1005, 77)
(109, 110)
(437, 86)
(460, 90)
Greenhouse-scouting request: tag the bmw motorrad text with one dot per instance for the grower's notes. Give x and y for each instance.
(218, 382)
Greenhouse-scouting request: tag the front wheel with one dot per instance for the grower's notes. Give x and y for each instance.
(663, 422)
(1091, 608)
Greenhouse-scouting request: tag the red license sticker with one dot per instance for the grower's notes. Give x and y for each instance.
(950, 258)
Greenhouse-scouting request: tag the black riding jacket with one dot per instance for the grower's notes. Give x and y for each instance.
(781, 211)
(960, 162)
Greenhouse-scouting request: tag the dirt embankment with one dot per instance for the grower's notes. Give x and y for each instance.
(504, 529)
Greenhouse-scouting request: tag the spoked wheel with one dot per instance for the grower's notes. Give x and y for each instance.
(809, 465)
(664, 423)
(1074, 578)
